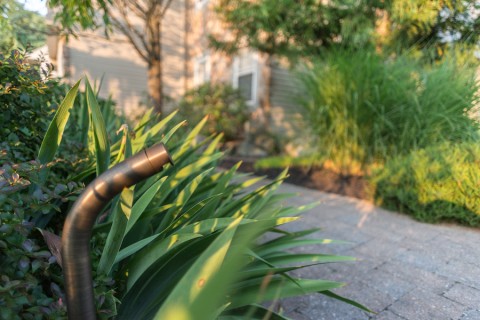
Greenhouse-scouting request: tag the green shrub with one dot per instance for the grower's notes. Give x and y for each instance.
(30, 281)
(438, 183)
(360, 109)
(26, 103)
(224, 105)
(36, 190)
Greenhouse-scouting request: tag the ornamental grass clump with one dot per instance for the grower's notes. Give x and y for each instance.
(360, 109)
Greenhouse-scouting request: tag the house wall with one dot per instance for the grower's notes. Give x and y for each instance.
(202, 21)
(284, 91)
(123, 71)
(175, 51)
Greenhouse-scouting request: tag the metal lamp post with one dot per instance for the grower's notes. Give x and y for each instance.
(78, 226)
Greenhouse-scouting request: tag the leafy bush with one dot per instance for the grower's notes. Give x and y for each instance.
(34, 193)
(26, 104)
(433, 184)
(360, 109)
(225, 107)
(30, 279)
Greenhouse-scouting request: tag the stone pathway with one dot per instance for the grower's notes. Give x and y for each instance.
(405, 269)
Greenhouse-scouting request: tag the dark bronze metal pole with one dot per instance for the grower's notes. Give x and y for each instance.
(77, 229)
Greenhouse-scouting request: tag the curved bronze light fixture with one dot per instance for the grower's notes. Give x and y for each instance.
(77, 229)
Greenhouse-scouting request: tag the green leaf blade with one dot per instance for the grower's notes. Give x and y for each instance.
(53, 137)
(102, 145)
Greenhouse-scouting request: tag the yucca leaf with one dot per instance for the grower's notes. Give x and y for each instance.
(102, 146)
(295, 211)
(190, 139)
(207, 226)
(122, 207)
(193, 211)
(180, 175)
(211, 225)
(283, 245)
(253, 312)
(205, 290)
(181, 200)
(213, 146)
(84, 174)
(142, 141)
(242, 205)
(250, 182)
(135, 247)
(258, 290)
(172, 131)
(125, 150)
(53, 137)
(330, 294)
(149, 255)
(257, 270)
(220, 188)
(142, 203)
(281, 258)
(264, 195)
(154, 284)
(293, 235)
(142, 123)
(84, 121)
(157, 210)
(267, 263)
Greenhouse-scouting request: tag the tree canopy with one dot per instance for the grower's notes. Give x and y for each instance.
(20, 28)
(432, 26)
(292, 27)
(295, 28)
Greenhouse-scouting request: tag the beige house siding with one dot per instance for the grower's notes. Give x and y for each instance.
(175, 50)
(284, 91)
(285, 115)
(185, 31)
(122, 71)
(202, 22)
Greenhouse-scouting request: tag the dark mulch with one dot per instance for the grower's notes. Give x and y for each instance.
(316, 178)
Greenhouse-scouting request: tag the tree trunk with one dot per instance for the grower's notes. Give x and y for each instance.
(154, 84)
(154, 72)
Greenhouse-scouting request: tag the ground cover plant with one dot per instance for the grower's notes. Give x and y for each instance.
(438, 183)
(191, 228)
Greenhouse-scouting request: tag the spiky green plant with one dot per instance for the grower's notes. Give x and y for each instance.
(184, 244)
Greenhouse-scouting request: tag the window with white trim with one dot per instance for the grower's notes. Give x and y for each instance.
(245, 77)
(199, 4)
(201, 70)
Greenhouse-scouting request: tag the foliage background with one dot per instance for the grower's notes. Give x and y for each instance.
(20, 28)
